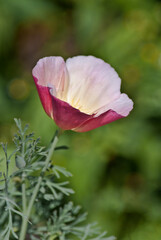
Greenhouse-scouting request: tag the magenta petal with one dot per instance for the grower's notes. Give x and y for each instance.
(96, 122)
(64, 115)
(67, 117)
(45, 98)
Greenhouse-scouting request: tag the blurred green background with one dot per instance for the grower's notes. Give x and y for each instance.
(116, 168)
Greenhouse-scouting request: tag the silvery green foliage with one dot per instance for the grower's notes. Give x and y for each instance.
(52, 217)
(65, 223)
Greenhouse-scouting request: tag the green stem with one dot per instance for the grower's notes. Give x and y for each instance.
(24, 201)
(36, 189)
(23, 193)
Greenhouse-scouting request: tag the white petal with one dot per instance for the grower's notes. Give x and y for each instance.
(93, 83)
(122, 105)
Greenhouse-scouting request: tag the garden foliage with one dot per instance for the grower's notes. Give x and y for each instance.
(53, 215)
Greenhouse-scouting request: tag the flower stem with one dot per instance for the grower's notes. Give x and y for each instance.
(23, 182)
(23, 193)
(37, 187)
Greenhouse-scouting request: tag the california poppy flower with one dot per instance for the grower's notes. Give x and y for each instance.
(80, 94)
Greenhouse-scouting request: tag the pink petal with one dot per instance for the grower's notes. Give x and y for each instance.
(50, 71)
(67, 117)
(45, 98)
(96, 122)
(93, 83)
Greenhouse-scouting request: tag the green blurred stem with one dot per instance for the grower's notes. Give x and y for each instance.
(24, 202)
(37, 187)
(23, 193)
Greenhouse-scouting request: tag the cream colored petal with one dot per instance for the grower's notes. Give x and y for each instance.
(93, 83)
(122, 105)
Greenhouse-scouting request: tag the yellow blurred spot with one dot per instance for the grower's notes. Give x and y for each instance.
(142, 22)
(150, 53)
(17, 179)
(5, 133)
(137, 19)
(131, 73)
(19, 89)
